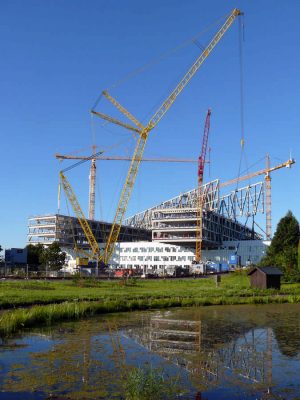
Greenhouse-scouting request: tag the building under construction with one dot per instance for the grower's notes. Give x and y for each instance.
(200, 218)
(173, 221)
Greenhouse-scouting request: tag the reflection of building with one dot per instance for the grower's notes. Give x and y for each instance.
(169, 336)
(211, 357)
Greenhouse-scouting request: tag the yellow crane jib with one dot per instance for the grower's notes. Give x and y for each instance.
(81, 218)
(95, 249)
(123, 110)
(142, 139)
(116, 121)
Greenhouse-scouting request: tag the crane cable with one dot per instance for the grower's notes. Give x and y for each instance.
(242, 121)
(83, 161)
(159, 58)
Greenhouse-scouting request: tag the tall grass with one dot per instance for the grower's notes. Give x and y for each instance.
(150, 383)
(27, 293)
(12, 321)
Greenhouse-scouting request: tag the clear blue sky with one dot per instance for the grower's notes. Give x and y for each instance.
(57, 56)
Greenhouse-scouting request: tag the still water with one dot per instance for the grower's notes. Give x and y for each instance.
(230, 352)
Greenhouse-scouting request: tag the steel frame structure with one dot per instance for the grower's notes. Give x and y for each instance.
(243, 202)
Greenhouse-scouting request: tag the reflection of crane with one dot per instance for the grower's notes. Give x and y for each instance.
(201, 195)
(145, 130)
(266, 171)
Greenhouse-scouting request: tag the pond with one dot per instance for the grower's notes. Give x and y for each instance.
(223, 352)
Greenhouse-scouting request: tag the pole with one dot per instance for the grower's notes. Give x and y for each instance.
(97, 259)
(268, 201)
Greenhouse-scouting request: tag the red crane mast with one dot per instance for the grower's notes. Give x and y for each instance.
(201, 194)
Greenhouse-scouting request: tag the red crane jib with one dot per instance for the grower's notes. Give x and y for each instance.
(201, 159)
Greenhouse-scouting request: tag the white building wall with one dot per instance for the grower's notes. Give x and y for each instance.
(151, 256)
(154, 256)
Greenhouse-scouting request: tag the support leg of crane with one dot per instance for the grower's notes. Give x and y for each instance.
(97, 262)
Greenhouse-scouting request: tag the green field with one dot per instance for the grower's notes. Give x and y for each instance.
(49, 301)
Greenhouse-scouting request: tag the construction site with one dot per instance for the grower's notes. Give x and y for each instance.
(214, 222)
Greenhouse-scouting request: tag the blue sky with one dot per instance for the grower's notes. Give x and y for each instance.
(57, 56)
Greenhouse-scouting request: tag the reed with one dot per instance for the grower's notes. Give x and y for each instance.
(28, 293)
(16, 320)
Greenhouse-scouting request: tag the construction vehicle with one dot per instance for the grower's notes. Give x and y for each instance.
(143, 133)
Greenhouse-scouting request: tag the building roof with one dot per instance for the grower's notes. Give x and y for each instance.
(267, 270)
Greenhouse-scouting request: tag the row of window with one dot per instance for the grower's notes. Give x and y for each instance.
(149, 267)
(156, 258)
(149, 250)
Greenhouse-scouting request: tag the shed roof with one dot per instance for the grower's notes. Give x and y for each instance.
(267, 270)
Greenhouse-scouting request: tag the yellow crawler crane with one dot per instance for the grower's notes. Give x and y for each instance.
(95, 249)
(144, 132)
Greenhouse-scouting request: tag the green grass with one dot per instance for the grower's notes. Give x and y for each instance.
(50, 302)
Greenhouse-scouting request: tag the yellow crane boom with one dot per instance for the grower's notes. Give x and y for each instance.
(80, 215)
(142, 139)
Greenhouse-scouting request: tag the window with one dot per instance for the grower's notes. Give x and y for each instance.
(156, 258)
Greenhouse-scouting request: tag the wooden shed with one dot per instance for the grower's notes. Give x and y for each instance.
(265, 277)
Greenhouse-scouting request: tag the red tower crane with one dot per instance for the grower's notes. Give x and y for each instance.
(201, 194)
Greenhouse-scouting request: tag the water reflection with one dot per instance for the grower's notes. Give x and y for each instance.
(240, 352)
(212, 356)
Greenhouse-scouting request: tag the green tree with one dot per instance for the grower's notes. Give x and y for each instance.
(299, 255)
(34, 254)
(53, 256)
(283, 251)
(0, 248)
